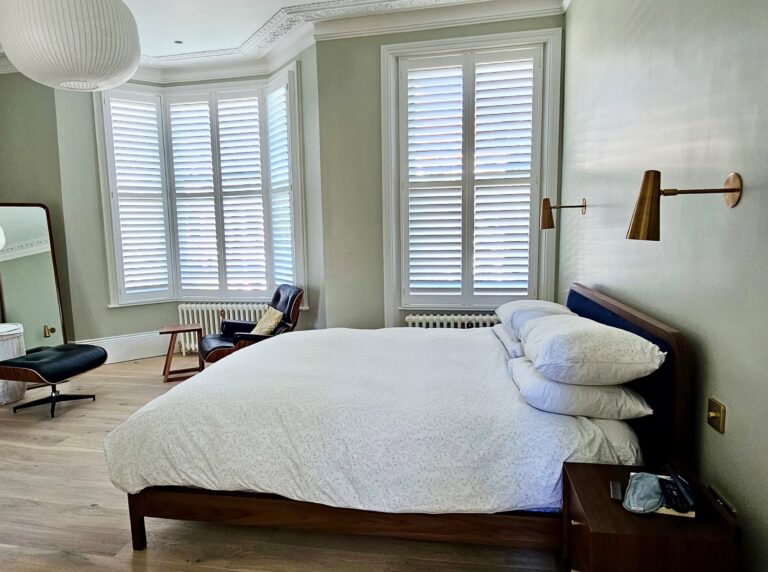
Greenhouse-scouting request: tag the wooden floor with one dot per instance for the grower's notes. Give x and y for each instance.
(59, 511)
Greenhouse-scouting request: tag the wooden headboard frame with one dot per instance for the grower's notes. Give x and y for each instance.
(682, 373)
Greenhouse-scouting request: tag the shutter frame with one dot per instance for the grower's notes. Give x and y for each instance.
(488, 281)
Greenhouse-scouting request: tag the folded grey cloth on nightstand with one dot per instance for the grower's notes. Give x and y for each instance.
(643, 493)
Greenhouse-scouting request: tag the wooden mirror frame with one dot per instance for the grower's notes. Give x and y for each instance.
(56, 278)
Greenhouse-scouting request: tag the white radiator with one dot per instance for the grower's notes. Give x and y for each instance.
(451, 320)
(210, 315)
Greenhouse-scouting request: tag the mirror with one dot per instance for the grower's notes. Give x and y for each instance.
(29, 293)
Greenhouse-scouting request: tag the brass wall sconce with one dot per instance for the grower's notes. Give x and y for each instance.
(547, 220)
(645, 223)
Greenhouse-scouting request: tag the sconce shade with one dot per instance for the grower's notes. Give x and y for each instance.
(645, 219)
(547, 221)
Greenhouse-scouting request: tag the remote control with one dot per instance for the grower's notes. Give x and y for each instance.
(616, 491)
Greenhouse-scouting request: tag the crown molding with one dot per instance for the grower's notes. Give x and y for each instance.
(25, 248)
(282, 53)
(442, 17)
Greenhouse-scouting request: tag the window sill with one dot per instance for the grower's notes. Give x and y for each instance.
(113, 306)
(427, 308)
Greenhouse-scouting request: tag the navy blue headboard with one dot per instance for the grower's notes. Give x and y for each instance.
(667, 434)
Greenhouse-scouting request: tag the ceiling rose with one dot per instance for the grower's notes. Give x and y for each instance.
(79, 45)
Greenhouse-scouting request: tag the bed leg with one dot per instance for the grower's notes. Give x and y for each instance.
(136, 513)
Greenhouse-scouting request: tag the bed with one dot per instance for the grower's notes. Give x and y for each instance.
(404, 432)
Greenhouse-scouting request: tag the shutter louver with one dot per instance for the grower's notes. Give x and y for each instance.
(241, 187)
(435, 167)
(502, 215)
(141, 208)
(280, 185)
(503, 143)
(503, 119)
(435, 240)
(194, 190)
(435, 124)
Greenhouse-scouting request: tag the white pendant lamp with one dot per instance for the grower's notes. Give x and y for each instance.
(79, 45)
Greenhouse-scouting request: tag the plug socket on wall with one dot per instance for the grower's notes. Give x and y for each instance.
(716, 415)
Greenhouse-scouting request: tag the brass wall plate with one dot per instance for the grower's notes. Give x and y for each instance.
(716, 415)
(732, 182)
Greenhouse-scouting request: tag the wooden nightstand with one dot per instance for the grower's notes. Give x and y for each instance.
(600, 536)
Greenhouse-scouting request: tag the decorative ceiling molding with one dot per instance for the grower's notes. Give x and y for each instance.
(25, 248)
(442, 17)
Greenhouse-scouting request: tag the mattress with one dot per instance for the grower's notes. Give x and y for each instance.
(392, 420)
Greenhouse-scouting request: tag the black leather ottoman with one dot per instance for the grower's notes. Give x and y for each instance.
(52, 366)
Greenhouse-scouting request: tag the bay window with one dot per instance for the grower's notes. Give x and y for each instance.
(204, 199)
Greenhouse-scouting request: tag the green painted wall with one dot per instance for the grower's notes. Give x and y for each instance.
(83, 214)
(313, 200)
(29, 292)
(349, 85)
(29, 162)
(680, 87)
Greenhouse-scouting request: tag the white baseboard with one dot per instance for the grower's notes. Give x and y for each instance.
(131, 346)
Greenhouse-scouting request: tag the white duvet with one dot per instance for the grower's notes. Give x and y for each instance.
(393, 420)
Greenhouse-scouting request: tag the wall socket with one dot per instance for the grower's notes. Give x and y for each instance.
(716, 415)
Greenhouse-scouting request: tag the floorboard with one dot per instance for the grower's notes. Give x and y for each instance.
(59, 510)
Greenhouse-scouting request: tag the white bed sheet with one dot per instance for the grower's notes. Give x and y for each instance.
(393, 420)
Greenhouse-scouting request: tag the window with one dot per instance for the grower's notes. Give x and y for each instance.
(464, 161)
(203, 202)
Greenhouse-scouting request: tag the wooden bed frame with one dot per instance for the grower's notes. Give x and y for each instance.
(513, 529)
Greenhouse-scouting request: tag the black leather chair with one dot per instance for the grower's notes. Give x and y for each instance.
(51, 366)
(236, 334)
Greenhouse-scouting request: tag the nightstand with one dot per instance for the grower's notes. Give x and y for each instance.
(600, 536)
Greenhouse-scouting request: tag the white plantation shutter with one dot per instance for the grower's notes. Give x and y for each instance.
(192, 160)
(221, 224)
(139, 206)
(435, 140)
(468, 130)
(503, 143)
(241, 188)
(280, 184)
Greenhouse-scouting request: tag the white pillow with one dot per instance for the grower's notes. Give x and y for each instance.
(599, 402)
(571, 349)
(511, 344)
(623, 440)
(516, 313)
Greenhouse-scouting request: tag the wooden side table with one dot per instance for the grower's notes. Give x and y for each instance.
(600, 536)
(174, 331)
